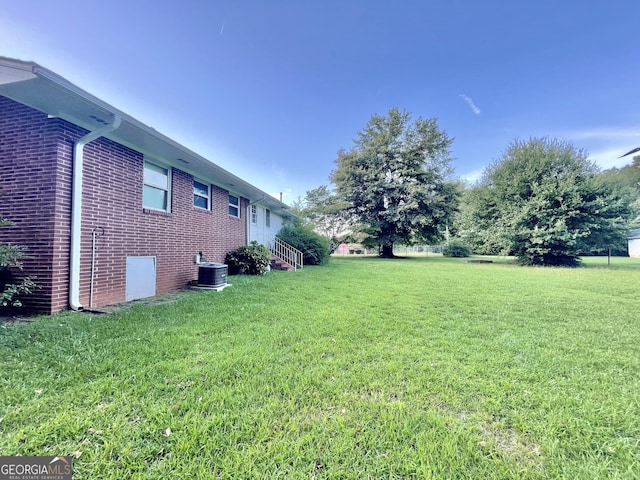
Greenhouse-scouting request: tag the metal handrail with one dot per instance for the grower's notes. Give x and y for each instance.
(287, 253)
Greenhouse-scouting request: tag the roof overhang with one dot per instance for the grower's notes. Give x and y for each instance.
(44, 90)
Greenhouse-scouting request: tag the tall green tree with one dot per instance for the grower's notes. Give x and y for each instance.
(394, 180)
(326, 213)
(480, 224)
(627, 176)
(626, 180)
(543, 202)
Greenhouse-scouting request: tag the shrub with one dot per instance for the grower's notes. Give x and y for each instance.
(253, 259)
(456, 248)
(11, 288)
(314, 247)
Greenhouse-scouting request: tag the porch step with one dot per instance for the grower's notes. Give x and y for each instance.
(278, 264)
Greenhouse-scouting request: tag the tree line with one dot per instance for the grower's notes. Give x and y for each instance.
(543, 201)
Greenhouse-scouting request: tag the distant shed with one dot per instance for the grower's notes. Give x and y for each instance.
(342, 249)
(634, 243)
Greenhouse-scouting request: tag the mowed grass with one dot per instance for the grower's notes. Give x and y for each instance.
(366, 368)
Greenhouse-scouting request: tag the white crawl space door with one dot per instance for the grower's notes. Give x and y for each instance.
(141, 277)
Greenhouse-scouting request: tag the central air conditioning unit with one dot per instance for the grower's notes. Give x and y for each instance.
(212, 275)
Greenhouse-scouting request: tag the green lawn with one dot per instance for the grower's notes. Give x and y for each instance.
(422, 367)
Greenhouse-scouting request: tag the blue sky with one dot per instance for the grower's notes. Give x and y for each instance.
(272, 89)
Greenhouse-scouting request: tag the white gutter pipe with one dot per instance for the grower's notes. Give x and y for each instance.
(76, 208)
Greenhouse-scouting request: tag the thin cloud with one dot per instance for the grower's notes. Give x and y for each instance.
(472, 105)
(609, 157)
(604, 145)
(605, 133)
(472, 177)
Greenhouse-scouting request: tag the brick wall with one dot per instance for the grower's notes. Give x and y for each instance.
(35, 174)
(30, 176)
(113, 208)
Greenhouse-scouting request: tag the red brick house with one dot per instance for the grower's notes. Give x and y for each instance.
(109, 209)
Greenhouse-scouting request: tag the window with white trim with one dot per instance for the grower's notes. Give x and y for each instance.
(234, 206)
(200, 195)
(254, 214)
(156, 191)
(267, 218)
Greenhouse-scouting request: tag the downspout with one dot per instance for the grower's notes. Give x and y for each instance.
(76, 208)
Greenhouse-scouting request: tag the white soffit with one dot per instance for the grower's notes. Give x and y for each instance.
(11, 71)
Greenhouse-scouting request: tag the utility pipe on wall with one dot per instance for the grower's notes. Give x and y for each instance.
(76, 208)
(97, 231)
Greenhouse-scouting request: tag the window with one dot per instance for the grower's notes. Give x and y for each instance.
(254, 214)
(200, 195)
(267, 218)
(156, 187)
(234, 206)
